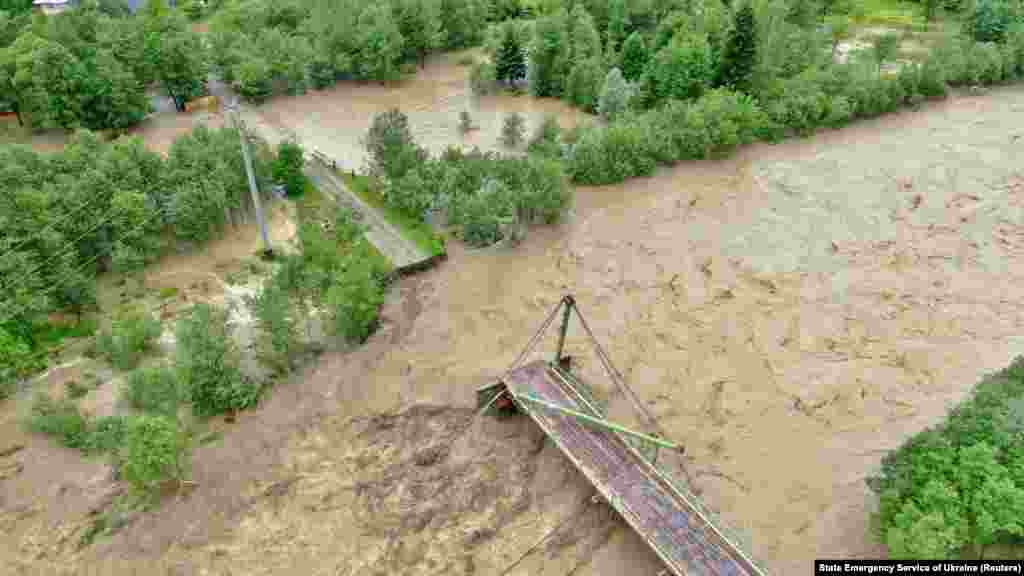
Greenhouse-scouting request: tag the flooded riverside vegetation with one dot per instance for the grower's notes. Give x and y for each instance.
(792, 313)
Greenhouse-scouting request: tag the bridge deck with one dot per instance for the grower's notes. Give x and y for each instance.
(685, 539)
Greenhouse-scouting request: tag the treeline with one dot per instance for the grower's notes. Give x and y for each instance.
(86, 68)
(264, 47)
(487, 196)
(94, 206)
(957, 489)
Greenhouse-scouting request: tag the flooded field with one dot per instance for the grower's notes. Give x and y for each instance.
(334, 121)
(788, 314)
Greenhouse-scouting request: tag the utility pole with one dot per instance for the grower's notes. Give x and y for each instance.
(233, 110)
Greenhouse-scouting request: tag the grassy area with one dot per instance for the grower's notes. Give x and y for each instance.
(52, 335)
(417, 232)
(892, 13)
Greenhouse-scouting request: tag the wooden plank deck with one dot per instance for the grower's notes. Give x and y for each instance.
(681, 534)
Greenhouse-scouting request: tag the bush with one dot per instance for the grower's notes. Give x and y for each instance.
(253, 79)
(60, 418)
(513, 130)
(16, 360)
(483, 78)
(959, 486)
(390, 146)
(610, 154)
(616, 95)
(128, 337)
(545, 191)
(278, 326)
(207, 364)
(354, 301)
(153, 389)
(107, 435)
(682, 70)
(155, 451)
(989, 21)
(545, 141)
(287, 168)
(583, 86)
(486, 214)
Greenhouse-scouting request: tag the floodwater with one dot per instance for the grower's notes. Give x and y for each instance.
(788, 314)
(334, 121)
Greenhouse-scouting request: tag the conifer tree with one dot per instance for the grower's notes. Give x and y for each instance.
(741, 50)
(510, 61)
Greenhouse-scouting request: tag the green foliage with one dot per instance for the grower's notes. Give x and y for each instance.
(546, 140)
(155, 451)
(483, 78)
(207, 364)
(549, 56)
(252, 79)
(278, 325)
(179, 57)
(381, 43)
(584, 84)
(682, 70)
(390, 145)
(885, 46)
(354, 299)
(61, 419)
(16, 360)
(419, 23)
(127, 338)
(153, 389)
(513, 130)
(740, 55)
(585, 37)
(989, 21)
(486, 214)
(634, 57)
(107, 435)
(287, 168)
(615, 97)
(510, 60)
(958, 486)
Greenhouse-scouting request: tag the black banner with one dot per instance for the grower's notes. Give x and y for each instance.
(942, 567)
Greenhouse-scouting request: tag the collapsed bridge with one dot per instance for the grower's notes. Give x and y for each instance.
(619, 462)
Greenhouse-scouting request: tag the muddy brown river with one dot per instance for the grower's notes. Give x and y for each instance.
(788, 314)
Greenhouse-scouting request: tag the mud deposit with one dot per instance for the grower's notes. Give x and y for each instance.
(788, 314)
(334, 121)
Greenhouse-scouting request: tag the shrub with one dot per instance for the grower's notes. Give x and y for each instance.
(986, 59)
(634, 57)
(153, 389)
(932, 78)
(354, 300)
(545, 141)
(483, 78)
(989, 21)
(513, 130)
(740, 54)
(207, 364)
(253, 80)
(885, 46)
(681, 70)
(155, 451)
(486, 214)
(390, 145)
(107, 435)
(16, 360)
(278, 326)
(583, 86)
(127, 338)
(727, 119)
(615, 97)
(287, 168)
(59, 418)
(545, 191)
(957, 486)
(610, 154)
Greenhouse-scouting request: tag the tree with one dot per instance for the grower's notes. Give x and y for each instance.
(510, 62)
(392, 151)
(615, 95)
(462, 22)
(740, 56)
(634, 57)
(419, 22)
(584, 84)
(586, 40)
(15, 361)
(182, 66)
(513, 130)
(380, 43)
(278, 326)
(47, 80)
(207, 363)
(155, 451)
(681, 70)
(111, 96)
(287, 168)
(548, 58)
(354, 300)
(618, 23)
(253, 79)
